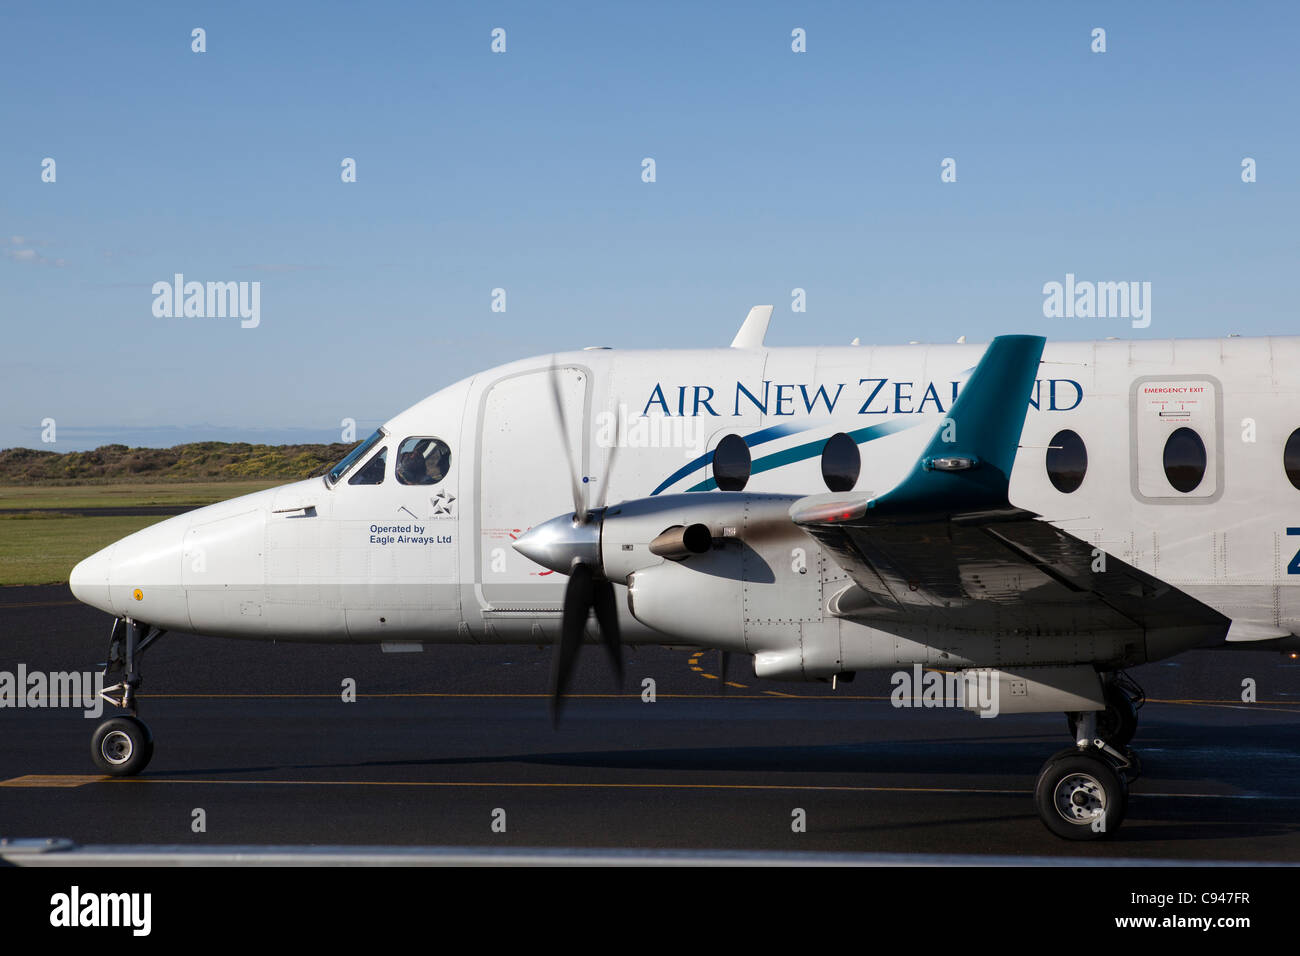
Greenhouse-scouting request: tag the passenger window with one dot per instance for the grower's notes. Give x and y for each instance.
(423, 461)
(1291, 458)
(731, 463)
(372, 472)
(841, 462)
(1067, 461)
(1185, 460)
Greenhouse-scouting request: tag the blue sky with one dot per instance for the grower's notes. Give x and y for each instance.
(522, 170)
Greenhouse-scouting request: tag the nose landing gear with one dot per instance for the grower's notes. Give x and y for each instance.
(123, 745)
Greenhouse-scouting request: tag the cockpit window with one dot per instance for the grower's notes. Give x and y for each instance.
(423, 461)
(354, 456)
(372, 472)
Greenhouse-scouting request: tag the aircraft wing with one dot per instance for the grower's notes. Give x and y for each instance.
(1005, 572)
(947, 547)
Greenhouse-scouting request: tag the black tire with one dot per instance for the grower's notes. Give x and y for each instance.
(1081, 796)
(1117, 724)
(121, 746)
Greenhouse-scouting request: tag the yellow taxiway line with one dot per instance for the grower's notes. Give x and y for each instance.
(61, 780)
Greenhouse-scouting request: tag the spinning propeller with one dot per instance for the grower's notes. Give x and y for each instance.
(570, 544)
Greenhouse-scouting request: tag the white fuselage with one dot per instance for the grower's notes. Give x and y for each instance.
(394, 562)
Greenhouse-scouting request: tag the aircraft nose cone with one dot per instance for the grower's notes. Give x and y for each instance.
(139, 576)
(89, 580)
(557, 543)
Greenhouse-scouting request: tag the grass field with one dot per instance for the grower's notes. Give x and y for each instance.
(127, 495)
(42, 548)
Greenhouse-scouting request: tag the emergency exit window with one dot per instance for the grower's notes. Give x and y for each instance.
(1177, 439)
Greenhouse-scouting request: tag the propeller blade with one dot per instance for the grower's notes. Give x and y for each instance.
(722, 668)
(606, 607)
(577, 606)
(557, 401)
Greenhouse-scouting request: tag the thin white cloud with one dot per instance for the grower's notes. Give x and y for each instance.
(26, 254)
(32, 257)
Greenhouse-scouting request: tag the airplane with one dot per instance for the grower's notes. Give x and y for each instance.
(1041, 516)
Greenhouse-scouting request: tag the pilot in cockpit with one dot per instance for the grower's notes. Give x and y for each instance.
(411, 469)
(423, 461)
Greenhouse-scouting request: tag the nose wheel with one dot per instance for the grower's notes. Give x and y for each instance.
(123, 745)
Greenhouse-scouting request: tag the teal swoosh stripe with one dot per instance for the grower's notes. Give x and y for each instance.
(771, 433)
(814, 448)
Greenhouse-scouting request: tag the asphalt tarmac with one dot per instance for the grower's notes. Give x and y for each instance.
(452, 746)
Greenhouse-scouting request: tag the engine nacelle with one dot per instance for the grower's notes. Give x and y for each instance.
(724, 569)
(752, 590)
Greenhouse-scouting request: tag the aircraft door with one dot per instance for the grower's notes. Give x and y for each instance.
(523, 480)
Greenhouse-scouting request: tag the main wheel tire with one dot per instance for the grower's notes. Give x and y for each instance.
(1117, 724)
(121, 746)
(1080, 796)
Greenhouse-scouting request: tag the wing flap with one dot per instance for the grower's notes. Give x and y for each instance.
(1010, 574)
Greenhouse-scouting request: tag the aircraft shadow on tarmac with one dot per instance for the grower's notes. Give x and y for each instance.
(1234, 760)
(1200, 782)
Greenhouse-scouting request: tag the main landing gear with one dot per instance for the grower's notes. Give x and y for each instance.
(1082, 792)
(123, 745)
(1118, 722)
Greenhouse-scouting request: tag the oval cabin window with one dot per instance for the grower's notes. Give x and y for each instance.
(1067, 461)
(841, 462)
(1291, 458)
(1184, 459)
(731, 463)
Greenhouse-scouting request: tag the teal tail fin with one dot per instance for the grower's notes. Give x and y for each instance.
(966, 467)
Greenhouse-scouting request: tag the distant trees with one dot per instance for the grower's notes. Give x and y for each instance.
(206, 461)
